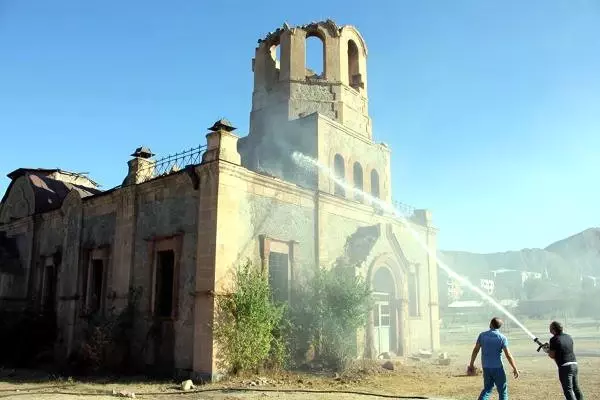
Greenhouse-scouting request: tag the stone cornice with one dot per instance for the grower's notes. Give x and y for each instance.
(264, 180)
(351, 132)
(355, 207)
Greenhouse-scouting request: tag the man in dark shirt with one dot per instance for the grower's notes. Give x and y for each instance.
(560, 349)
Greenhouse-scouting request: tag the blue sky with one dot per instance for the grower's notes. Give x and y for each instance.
(491, 108)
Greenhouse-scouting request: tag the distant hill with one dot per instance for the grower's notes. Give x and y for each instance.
(565, 259)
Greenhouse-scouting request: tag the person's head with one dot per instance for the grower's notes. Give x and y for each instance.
(495, 323)
(556, 328)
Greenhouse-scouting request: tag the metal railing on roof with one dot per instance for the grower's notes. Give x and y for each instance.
(405, 210)
(170, 164)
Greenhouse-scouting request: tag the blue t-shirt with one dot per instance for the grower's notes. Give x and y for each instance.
(492, 343)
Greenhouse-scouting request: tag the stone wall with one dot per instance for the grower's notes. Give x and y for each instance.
(338, 219)
(166, 207)
(335, 138)
(308, 98)
(50, 233)
(14, 283)
(98, 230)
(251, 205)
(424, 328)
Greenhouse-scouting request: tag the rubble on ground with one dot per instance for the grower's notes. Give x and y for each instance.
(123, 393)
(187, 385)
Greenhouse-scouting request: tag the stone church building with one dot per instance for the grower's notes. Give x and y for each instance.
(177, 226)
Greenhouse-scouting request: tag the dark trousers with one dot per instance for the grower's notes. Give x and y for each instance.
(568, 379)
(494, 377)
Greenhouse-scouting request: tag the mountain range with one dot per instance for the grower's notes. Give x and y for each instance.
(568, 259)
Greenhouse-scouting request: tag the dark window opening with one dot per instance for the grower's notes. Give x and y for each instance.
(358, 181)
(354, 76)
(339, 172)
(279, 276)
(96, 285)
(163, 295)
(375, 184)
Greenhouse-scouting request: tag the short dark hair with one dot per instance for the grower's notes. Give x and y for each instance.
(496, 323)
(556, 327)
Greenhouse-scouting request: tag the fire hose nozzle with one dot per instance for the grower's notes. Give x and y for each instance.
(541, 345)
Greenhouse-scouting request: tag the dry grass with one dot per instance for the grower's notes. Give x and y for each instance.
(538, 381)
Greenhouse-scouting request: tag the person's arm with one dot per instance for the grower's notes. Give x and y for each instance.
(511, 361)
(474, 354)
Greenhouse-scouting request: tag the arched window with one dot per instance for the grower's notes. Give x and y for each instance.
(340, 173)
(276, 55)
(353, 67)
(315, 56)
(374, 184)
(357, 174)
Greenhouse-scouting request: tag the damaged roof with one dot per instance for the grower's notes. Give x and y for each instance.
(45, 172)
(49, 193)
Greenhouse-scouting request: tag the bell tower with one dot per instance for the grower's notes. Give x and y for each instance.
(285, 89)
(324, 116)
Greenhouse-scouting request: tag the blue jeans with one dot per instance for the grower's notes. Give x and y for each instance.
(494, 377)
(569, 382)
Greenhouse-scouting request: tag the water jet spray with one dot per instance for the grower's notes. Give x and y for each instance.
(308, 162)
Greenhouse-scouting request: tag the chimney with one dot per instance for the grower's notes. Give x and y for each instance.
(222, 143)
(141, 167)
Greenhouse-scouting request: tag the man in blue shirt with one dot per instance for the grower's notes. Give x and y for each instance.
(492, 343)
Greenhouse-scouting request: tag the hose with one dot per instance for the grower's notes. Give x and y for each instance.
(360, 393)
(225, 390)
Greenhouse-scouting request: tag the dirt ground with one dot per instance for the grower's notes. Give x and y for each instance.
(424, 377)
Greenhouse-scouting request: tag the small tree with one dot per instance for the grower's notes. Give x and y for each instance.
(347, 304)
(326, 313)
(246, 322)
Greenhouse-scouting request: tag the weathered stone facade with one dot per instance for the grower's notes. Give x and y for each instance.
(68, 247)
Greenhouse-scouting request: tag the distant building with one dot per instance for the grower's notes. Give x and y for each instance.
(487, 285)
(506, 284)
(590, 281)
(455, 291)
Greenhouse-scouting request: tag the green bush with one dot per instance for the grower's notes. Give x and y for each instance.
(325, 314)
(323, 317)
(246, 323)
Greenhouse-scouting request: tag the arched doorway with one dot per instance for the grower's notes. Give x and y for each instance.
(384, 311)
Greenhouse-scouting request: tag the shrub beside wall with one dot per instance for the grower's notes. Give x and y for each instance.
(319, 324)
